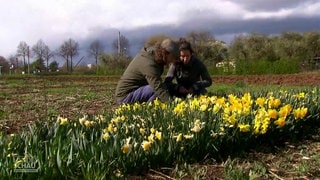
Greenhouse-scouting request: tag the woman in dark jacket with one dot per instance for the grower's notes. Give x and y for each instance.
(191, 75)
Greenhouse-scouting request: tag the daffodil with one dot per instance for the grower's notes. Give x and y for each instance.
(100, 118)
(285, 110)
(188, 136)
(142, 131)
(272, 113)
(244, 127)
(63, 121)
(203, 107)
(261, 101)
(110, 127)
(158, 135)
(152, 130)
(146, 145)
(196, 128)
(273, 103)
(179, 137)
(280, 122)
(301, 95)
(105, 136)
(82, 120)
(125, 148)
(151, 138)
(216, 108)
(300, 113)
(89, 123)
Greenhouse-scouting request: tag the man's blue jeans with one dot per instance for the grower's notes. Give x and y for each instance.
(142, 94)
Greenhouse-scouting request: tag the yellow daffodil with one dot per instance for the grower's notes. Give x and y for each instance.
(180, 108)
(158, 135)
(89, 123)
(151, 138)
(273, 103)
(115, 119)
(300, 95)
(216, 108)
(179, 137)
(272, 113)
(300, 113)
(203, 107)
(163, 106)
(105, 136)
(142, 131)
(285, 110)
(63, 121)
(280, 122)
(156, 102)
(82, 120)
(244, 127)
(125, 148)
(261, 101)
(110, 127)
(152, 130)
(146, 145)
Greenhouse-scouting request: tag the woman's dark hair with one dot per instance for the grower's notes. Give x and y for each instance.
(185, 45)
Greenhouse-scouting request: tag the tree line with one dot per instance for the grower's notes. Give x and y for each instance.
(43, 58)
(254, 53)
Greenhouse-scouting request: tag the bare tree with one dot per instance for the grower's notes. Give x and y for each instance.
(40, 49)
(63, 52)
(96, 49)
(121, 45)
(23, 51)
(47, 55)
(68, 50)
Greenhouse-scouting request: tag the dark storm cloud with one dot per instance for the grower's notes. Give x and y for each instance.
(221, 30)
(271, 5)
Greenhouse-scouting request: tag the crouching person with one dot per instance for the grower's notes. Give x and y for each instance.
(141, 81)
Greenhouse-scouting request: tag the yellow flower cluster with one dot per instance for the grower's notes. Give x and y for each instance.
(193, 116)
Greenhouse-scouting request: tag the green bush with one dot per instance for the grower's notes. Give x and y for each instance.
(282, 66)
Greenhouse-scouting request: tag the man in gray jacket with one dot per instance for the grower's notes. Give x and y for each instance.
(141, 81)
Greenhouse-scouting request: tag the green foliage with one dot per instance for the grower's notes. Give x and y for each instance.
(112, 64)
(233, 171)
(290, 50)
(282, 66)
(53, 66)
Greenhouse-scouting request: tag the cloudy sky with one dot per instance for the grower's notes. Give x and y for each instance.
(54, 21)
